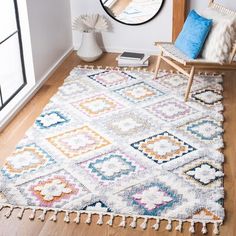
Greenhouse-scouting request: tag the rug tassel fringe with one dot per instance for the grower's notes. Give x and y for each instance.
(32, 215)
(142, 69)
(179, 226)
(133, 224)
(100, 220)
(42, 216)
(67, 217)
(20, 214)
(144, 224)
(77, 218)
(169, 225)
(122, 223)
(8, 214)
(54, 216)
(192, 229)
(89, 218)
(157, 224)
(204, 228)
(110, 221)
(216, 229)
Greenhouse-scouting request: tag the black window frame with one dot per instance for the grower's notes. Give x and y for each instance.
(18, 32)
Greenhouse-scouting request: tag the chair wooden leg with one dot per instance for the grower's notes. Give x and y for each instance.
(190, 82)
(158, 65)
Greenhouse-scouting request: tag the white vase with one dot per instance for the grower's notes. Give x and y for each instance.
(89, 50)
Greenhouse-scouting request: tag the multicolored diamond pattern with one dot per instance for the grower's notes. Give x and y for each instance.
(139, 92)
(96, 106)
(171, 109)
(76, 142)
(205, 129)
(163, 147)
(112, 78)
(51, 119)
(209, 97)
(152, 199)
(204, 173)
(25, 160)
(118, 142)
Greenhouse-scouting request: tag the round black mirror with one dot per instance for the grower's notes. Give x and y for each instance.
(132, 12)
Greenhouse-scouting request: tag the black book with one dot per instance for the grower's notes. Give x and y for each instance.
(132, 55)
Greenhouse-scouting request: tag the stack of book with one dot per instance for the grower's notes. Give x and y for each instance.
(131, 59)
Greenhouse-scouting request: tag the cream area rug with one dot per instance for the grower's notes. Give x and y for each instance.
(118, 143)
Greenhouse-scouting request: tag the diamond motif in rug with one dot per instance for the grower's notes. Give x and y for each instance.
(121, 144)
(112, 78)
(76, 142)
(207, 96)
(170, 110)
(163, 147)
(26, 159)
(139, 92)
(95, 106)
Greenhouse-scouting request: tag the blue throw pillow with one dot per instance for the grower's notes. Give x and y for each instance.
(193, 35)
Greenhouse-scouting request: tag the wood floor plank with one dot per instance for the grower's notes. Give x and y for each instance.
(25, 118)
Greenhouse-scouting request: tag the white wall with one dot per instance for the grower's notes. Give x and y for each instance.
(123, 37)
(51, 37)
(202, 4)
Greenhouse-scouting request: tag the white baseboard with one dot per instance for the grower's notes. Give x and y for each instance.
(155, 51)
(30, 92)
(120, 50)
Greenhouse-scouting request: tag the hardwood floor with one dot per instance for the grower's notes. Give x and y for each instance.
(18, 126)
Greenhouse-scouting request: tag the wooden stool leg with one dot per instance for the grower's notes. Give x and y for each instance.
(158, 65)
(190, 82)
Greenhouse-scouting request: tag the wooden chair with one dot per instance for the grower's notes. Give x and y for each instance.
(171, 55)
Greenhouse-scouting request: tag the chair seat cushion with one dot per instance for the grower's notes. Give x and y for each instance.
(193, 35)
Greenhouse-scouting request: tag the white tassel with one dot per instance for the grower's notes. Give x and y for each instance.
(169, 226)
(67, 217)
(89, 219)
(32, 215)
(54, 216)
(216, 229)
(133, 224)
(77, 218)
(42, 216)
(100, 220)
(122, 223)
(20, 214)
(192, 229)
(8, 214)
(144, 224)
(204, 228)
(179, 227)
(110, 221)
(156, 225)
